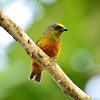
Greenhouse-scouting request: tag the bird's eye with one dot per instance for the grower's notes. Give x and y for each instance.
(57, 27)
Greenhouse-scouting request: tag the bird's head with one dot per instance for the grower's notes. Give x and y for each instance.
(55, 30)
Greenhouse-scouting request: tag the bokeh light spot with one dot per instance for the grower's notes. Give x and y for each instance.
(92, 87)
(81, 60)
(20, 13)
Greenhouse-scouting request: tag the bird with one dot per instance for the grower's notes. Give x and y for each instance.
(50, 43)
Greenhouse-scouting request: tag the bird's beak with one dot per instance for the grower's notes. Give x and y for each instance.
(64, 29)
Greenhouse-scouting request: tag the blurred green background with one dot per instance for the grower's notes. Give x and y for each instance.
(79, 57)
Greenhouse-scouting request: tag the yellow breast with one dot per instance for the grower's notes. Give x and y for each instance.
(51, 48)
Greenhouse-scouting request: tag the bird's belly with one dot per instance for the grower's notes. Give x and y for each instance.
(52, 49)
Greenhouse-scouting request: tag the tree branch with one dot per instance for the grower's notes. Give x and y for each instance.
(42, 59)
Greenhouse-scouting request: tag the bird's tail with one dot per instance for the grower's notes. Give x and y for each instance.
(35, 77)
(36, 72)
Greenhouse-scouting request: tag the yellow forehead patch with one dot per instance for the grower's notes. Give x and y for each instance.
(59, 24)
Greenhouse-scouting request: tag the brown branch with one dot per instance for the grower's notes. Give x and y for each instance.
(42, 59)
